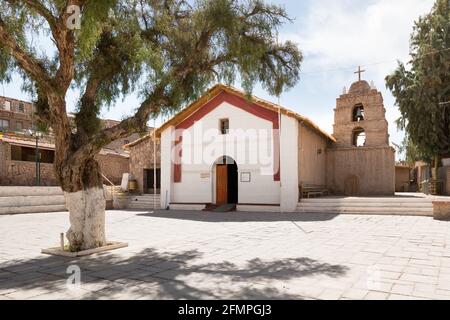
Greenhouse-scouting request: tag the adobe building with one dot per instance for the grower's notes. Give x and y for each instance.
(15, 115)
(18, 161)
(18, 149)
(145, 165)
(227, 149)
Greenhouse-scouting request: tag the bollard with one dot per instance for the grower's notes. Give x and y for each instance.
(62, 241)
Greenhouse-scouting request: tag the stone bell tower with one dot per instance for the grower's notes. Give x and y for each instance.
(361, 162)
(360, 117)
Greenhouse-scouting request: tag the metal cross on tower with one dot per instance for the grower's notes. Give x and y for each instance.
(359, 73)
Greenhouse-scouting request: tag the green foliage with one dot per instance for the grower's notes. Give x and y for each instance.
(411, 152)
(422, 89)
(168, 50)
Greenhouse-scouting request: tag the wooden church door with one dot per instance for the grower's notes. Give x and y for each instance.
(221, 184)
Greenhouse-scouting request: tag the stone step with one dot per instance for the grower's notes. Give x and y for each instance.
(374, 213)
(366, 201)
(368, 210)
(143, 204)
(29, 191)
(24, 201)
(396, 209)
(143, 207)
(32, 209)
(373, 205)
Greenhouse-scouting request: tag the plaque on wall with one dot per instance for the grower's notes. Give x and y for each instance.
(246, 177)
(205, 175)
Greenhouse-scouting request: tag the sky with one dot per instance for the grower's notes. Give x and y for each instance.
(335, 37)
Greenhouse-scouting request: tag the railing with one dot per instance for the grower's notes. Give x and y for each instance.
(111, 185)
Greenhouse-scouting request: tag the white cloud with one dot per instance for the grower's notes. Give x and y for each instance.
(336, 36)
(336, 33)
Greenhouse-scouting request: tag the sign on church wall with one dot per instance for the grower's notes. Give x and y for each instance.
(246, 177)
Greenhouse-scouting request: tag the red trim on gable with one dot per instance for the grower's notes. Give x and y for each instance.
(240, 103)
(234, 100)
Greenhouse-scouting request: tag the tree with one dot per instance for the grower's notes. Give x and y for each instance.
(410, 151)
(422, 90)
(169, 51)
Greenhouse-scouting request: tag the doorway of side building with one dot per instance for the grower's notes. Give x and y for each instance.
(149, 178)
(226, 181)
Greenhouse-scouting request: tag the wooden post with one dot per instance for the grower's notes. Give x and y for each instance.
(62, 241)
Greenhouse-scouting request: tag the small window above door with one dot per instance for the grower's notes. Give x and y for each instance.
(224, 126)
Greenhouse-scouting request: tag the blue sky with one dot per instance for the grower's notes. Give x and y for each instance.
(335, 37)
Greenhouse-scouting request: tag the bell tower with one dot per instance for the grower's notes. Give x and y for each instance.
(360, 117)
(361, 162)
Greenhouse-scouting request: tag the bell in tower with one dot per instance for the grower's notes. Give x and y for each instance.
(361, 109)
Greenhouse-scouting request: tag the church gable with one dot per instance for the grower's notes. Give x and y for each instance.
(234, 101)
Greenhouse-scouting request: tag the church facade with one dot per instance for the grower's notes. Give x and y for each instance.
(229, 149)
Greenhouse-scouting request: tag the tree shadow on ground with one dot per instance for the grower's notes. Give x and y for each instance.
(238, 216)
(150, 274)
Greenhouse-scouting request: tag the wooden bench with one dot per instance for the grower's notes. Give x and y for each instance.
(312, 191)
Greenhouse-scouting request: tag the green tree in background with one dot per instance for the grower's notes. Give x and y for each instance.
(169, 51)
(422, 88)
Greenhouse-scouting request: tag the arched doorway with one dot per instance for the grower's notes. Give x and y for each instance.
(226, 181)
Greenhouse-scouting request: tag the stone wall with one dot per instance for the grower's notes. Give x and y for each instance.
(361, 171)
(4, 155)
(119, 143)
(374, 123)
(23, 173)
(113, 167)
(441, 210)
(141, 158)
(402, 178)
(447, 181)
(312, 157)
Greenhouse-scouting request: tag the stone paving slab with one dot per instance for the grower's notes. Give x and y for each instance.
(191, 255)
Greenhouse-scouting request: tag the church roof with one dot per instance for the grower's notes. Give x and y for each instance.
(140, 140)
(217, 89)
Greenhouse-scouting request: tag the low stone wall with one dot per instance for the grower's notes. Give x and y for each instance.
(447, 182)
(113, 167)
(30, 191)
(23, 173)
(441, 210)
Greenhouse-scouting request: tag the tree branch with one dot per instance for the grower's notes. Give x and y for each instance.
(41, 10)
(26, 60)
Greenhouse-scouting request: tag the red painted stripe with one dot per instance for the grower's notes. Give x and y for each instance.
(240, 103)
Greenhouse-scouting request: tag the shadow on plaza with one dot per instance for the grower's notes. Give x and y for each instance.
(238, 216)
(154, 275)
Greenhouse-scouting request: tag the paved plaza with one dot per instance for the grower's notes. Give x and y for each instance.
(190, 255)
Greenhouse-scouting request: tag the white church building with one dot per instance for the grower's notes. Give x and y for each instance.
(228, 149)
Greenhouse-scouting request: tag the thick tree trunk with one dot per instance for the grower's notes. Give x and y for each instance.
(85, 200)
(87, 219)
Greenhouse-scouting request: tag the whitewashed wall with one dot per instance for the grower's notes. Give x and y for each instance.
(198, 180)
(289, 160)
